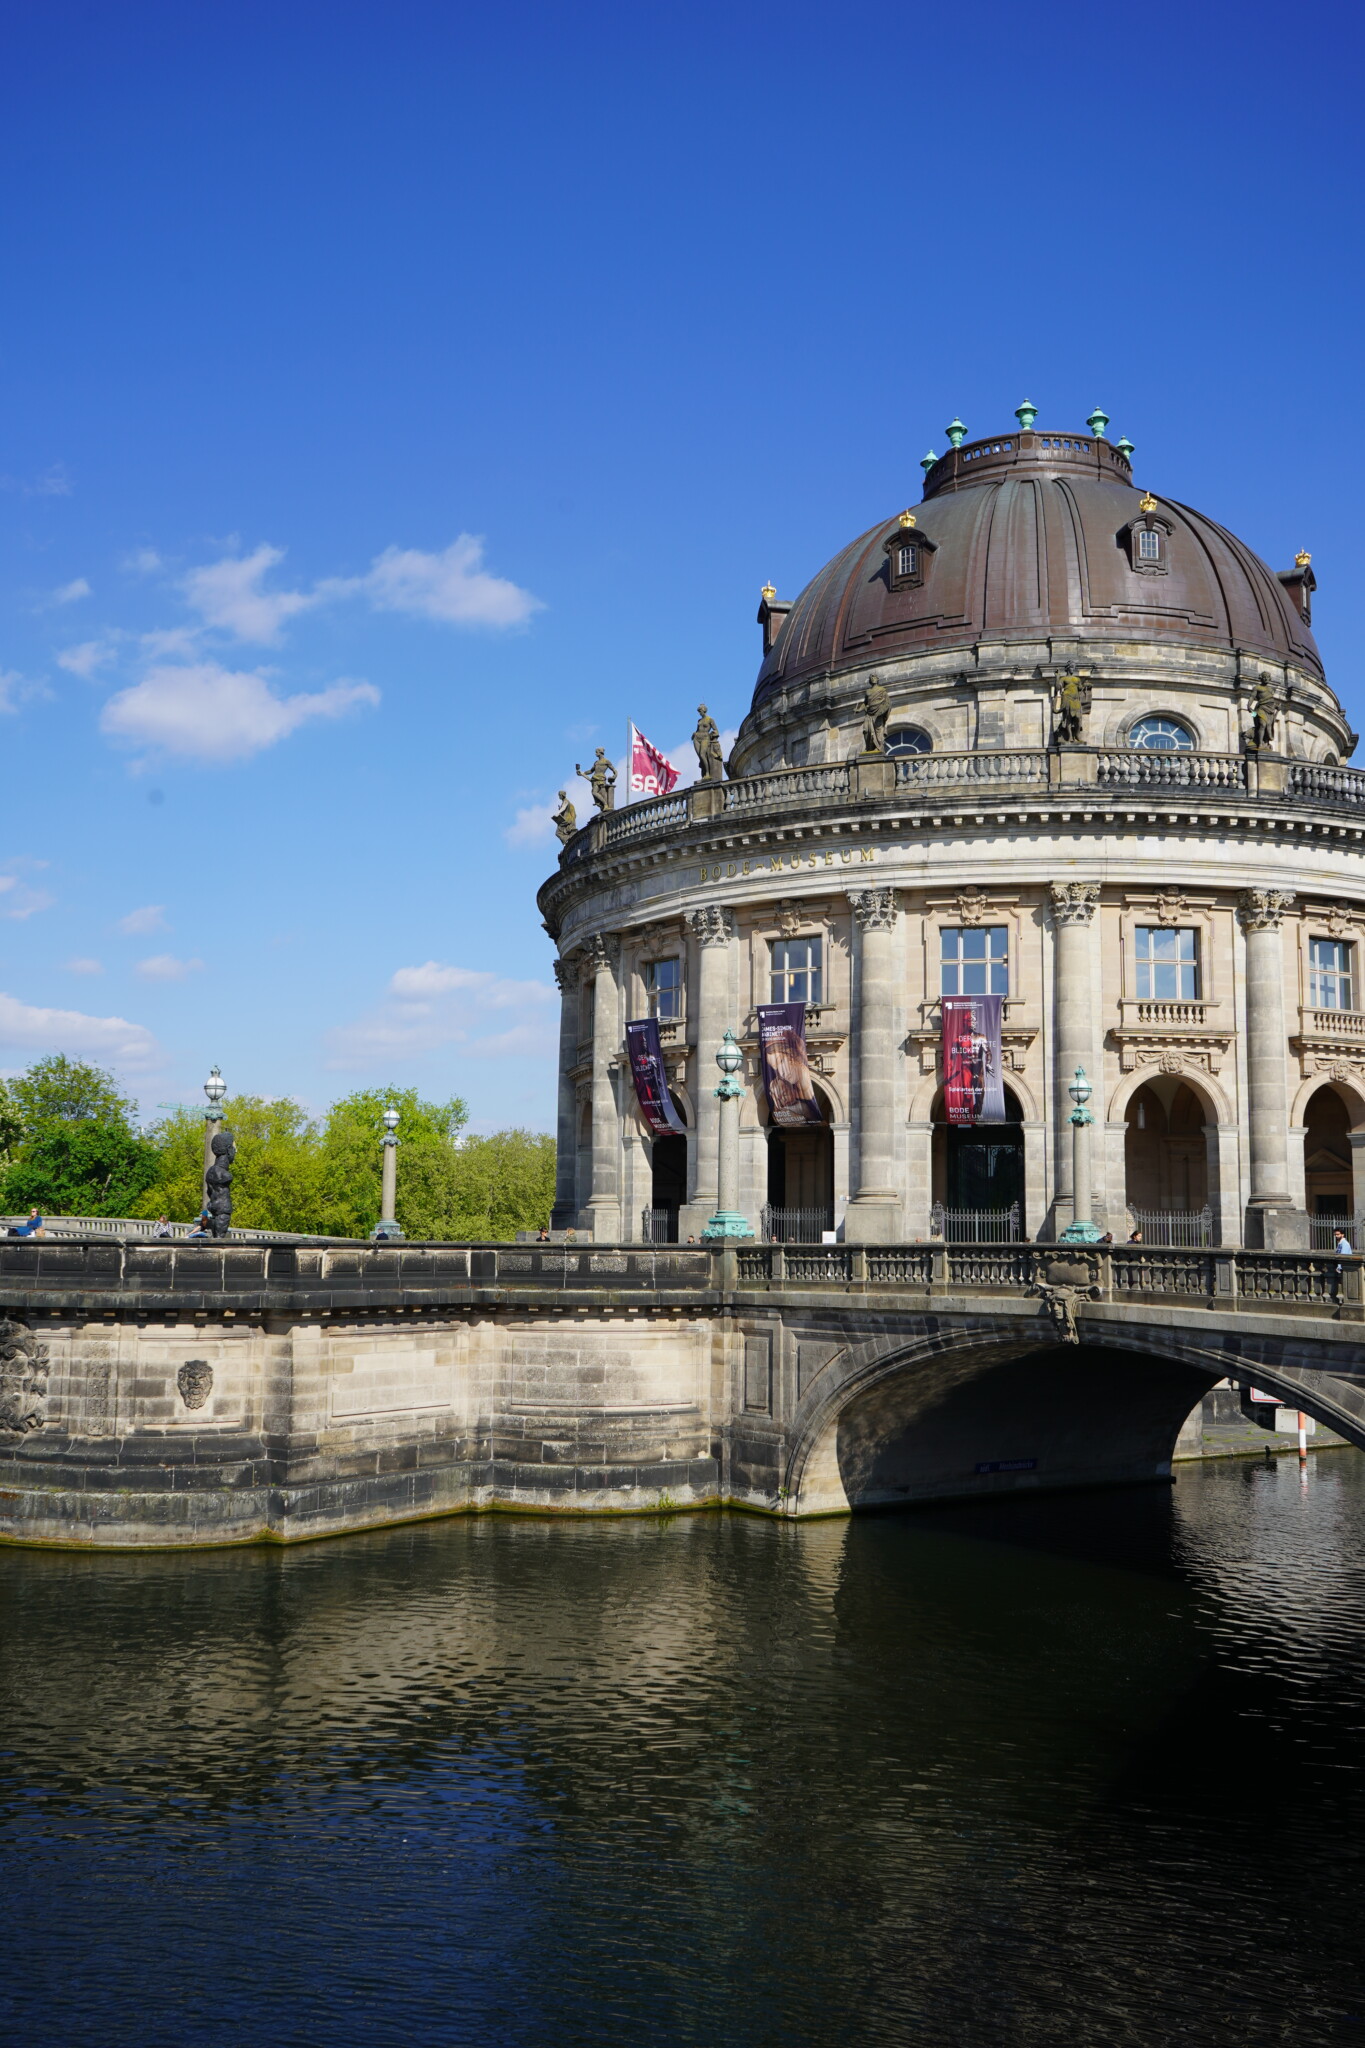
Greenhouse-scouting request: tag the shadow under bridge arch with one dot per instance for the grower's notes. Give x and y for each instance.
(1000, 1406)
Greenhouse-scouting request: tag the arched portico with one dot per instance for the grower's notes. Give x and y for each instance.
(1173, 1146)
(1328, 1123)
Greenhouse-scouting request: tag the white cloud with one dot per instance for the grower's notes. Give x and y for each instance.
(25, 1028)
(142, 562)
(229, 594)
(452, 586)
(533, 827)
(150, 918)
(17, 899)
(53, 483)
(435, 1006)
(165, 967)
(68, 593)
(81, 965)
(11, 689)
(211, 713)
(84, 659)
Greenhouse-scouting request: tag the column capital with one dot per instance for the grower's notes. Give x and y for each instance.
(567, 971)
(1073, 902)
(602, 952)
(875, 909)
(1262, 910)
(713, 925)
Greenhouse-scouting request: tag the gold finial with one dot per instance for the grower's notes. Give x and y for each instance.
(1147, 503)
(1302, 559)
(768, 593)
(907, 519)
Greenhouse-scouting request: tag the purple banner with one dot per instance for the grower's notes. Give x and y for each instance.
(787, 1079)
(651, 1081)
(973, 1075)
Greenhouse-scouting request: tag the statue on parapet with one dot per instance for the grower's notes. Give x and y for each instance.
(706, 740)
(876, 711)
(1265, 711)
(601, 777)
(1070, 709)
(218, 1183)
(565, 818)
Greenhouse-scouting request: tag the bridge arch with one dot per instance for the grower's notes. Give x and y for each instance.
(999, 1405)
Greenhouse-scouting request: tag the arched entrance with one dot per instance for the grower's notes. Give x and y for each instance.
(978, 1173)
(800, 1179)
(1165, 1157)
(1327, 1155)
(668, 1185)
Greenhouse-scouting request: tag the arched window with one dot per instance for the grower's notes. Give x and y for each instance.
(1160, 735)
(908, 739)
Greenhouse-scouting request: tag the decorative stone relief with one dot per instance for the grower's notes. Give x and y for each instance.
(195, 1381)
(567, 972)
(875, 909)
(601, 953)
(972, 906)
(1171, 908)
(788, 919)
(1074, 902)
(23, 1380)
(1262, 910)
(1172, 1053)
(712, 925)
(1338, 923)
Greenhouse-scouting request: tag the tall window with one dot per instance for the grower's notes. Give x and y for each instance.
(1330, 981)
(1167, 963)
(1149, 545)
(907, 559)
(663, 985)
(976, 960)
(798, 971)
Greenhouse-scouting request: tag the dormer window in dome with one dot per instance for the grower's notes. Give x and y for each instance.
(908, 739)
(907, 553)
(1147, 539)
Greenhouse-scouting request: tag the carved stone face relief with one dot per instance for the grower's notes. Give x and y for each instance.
(23, 1380)
(195, 1381)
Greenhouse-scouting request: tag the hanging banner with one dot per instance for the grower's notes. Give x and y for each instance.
(973, 1071)
(651, 1081)
(787, 1079)
(651, 773)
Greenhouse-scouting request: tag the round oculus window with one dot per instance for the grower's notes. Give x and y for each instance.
(1160, 735)
(908, 739)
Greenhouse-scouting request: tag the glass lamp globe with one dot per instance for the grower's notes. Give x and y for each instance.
(729, 1059)
(1080, 1090)
(390, 1121)
(215, 1087)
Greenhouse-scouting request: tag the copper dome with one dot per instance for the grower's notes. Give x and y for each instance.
(1030, 534)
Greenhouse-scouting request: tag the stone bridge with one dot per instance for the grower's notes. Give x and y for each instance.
(209, 1393)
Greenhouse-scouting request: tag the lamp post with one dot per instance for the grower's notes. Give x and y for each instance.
(727, 1222)
(215, 1088)
(387, 1226)
(1081, 1229)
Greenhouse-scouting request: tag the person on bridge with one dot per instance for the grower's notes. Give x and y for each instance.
(32, 1228)
(1343, 1244)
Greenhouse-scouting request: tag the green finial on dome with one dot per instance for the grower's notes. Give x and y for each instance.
(926, 462)
(1026, 414)
(956, 432)
(1125, 448)
(1097, 422)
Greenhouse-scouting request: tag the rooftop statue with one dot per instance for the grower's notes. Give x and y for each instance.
(1265, 704)
(565, 818)
(600, 774)
(876, 709)
(706, 740)
(1071, 708)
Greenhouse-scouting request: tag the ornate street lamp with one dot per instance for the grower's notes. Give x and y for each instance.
(1081, 1229)
(727, 1223)
(215, 1088)
(387, 1226)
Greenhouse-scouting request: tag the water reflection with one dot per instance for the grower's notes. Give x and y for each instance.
(1081, 1770)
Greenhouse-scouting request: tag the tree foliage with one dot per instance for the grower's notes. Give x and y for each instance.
(68, 1135)
(59, 1089)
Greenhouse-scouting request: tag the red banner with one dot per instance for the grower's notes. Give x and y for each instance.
(651, 1079)
(787, 1080)
(973, 1076)
(651, 773)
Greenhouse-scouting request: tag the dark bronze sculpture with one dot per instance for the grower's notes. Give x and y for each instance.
(876, 709)
(1071, 708)
(601, 777)
(218, 1182)
(565, 818)
(706, 740)
(1265, 705)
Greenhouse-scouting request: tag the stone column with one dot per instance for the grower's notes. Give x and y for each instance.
(713, 929)
(1260, 912)
(604, 1203)
(1073, 908)
(875, 1212)
(565, 1212)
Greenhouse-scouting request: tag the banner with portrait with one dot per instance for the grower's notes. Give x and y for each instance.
(787, 1079)
(973, 1070)
(651, 1078)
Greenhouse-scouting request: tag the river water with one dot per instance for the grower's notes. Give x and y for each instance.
(1082, 1770)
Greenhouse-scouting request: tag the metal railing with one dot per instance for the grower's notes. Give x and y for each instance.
(1191, 1228)
(1322, 1231)
(977, 1226)
(140, 1228)
(794, 1226)
(658, 1226)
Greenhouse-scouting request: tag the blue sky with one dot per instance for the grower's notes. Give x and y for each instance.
(394, 400)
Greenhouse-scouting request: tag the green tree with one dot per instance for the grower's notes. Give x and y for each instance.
(81, 1168)
(351, 1137)
(504, 1183)
(11, 1124)
(58, 1089)
(277, 1177)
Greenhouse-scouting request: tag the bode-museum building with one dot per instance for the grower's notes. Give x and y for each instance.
(1046, 737)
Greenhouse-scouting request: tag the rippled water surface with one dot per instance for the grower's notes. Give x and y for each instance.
(1087, 1770)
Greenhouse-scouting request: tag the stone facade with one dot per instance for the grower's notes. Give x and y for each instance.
(1183, 921)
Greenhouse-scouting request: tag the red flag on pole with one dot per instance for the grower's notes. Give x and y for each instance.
(651, 773)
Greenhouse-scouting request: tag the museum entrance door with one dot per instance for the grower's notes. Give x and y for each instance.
(800, 1181)
(979, 1175)
(668, 1187)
